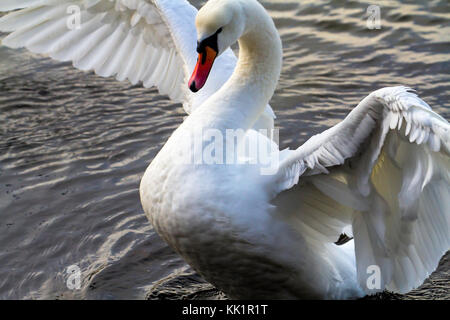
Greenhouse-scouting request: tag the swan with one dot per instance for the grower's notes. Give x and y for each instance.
(359, 208)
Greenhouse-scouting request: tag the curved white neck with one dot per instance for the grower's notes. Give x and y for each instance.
(242, 99)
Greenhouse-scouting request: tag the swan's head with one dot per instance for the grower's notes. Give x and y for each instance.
(220, 23)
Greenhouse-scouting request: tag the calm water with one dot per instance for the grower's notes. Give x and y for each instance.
(73, 146)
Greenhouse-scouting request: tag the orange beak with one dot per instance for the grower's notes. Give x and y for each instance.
(201, 72)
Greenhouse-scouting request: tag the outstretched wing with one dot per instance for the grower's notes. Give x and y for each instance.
(148, 41)
(385, 169)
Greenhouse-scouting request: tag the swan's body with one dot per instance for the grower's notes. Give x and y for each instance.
(382, 174)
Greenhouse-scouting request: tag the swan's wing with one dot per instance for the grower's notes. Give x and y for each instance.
(148, 41)
(385, 170)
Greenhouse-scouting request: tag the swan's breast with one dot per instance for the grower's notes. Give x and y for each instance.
(228, 234)
(196, 203)
(220, 220)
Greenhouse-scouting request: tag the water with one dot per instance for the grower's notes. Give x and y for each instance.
(75, 146)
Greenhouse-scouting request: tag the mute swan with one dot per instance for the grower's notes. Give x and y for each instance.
(380, 176)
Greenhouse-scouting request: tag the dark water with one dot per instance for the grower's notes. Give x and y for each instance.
(74, 146)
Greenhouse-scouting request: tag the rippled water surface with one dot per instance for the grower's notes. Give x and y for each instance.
(74, 146)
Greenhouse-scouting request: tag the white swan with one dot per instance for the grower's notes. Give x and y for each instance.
(381, 174)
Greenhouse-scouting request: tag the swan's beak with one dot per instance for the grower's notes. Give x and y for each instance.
(201, 72)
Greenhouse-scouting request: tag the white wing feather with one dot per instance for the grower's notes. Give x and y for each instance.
(126, 39)
(148, 41)
(385, 170)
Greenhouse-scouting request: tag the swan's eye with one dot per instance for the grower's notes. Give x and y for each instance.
(211, 42)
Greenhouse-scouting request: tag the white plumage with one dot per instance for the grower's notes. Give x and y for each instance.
(385, 167)
(381, 175)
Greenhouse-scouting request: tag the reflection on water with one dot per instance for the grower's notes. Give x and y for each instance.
(74, 146)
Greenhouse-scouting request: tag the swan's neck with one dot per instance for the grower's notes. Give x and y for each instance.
(242, 99)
